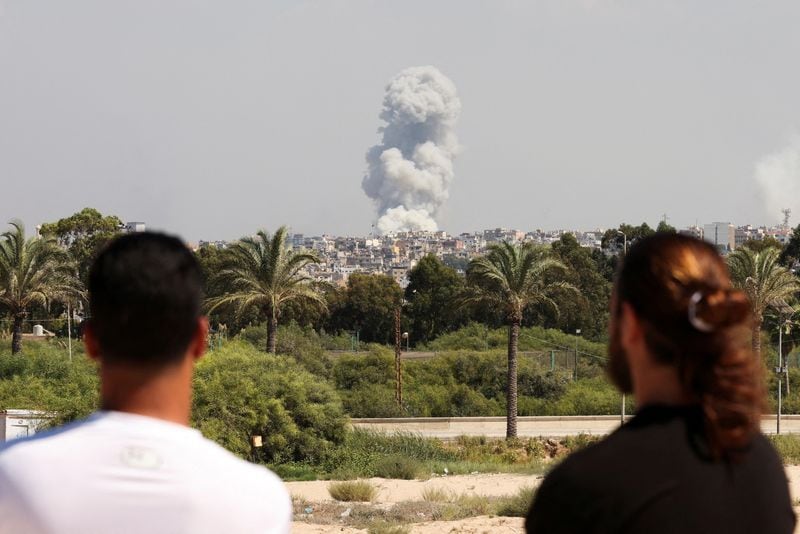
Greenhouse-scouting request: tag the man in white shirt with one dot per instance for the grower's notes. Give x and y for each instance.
(136, 466)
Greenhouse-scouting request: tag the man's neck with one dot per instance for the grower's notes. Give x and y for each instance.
(162, 393)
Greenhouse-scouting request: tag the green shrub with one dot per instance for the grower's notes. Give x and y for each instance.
(456, 400)
(463, 383)
(353, 491)
(351, 371)
(43, 378)
(304, 345)
(359, 454)
(516, 505)
(294, 472)
(398, 467)
(241, 391)
(371, 400)
(547, 385)
(788, 447)
(576, 443)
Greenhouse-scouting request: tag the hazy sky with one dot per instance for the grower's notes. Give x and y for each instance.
(213, 119)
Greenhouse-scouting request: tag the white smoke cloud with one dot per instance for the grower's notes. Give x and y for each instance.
(778, 175)
(410, 172)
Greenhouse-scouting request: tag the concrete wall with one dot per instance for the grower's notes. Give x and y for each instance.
(547, 426)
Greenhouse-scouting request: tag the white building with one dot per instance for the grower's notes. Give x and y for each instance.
(134, 226)
(20, 423)
(721, 234)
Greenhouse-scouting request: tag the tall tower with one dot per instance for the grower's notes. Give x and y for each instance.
(786, 213)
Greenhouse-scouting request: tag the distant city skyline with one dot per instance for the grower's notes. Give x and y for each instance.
(212, 120)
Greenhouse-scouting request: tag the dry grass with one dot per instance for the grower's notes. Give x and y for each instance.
(436, 495)
(438, 505)
(353, 491)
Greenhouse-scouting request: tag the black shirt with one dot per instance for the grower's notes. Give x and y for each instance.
(654, 475)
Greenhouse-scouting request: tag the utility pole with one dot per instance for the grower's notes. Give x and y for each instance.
(398, 370)
(69, 331)
(577, 333)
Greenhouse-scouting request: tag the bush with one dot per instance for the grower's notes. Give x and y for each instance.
(294, 472)
(516, 505)
(398, 467)
(351, 371)
(361, 451)
(576, 443)
(436, 495)
(353, 491)
(241, 391)
(304, 345)
(788, 447)
(43, 378)
(372, 400)
(548, 385)
(519, 451)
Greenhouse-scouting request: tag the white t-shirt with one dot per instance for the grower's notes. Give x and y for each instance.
(120, 473)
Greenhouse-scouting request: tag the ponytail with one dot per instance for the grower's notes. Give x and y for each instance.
(695, 321)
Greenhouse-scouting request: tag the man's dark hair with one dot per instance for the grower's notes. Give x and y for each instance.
(145, 295)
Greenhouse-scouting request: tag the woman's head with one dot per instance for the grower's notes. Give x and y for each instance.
(692, 320)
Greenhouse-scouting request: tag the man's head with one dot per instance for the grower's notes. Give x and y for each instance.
(145, 297)
(674, 309)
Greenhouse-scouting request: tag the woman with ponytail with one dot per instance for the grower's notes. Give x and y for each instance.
(693, 458)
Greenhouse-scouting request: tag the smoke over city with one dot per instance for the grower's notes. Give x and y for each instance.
(778, 175)
(410, 171)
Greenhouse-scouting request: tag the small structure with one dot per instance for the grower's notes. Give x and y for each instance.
(39, 332)
(21, 423)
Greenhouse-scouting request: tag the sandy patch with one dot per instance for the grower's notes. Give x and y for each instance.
(300, 527)
(473, 525)
(793, 474)
(392, 491)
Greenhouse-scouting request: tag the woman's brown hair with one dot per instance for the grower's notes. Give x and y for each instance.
(695, 320)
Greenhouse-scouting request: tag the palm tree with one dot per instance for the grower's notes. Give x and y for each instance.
(512, 277)
(261, 271)
(33, 272)
(765, 281)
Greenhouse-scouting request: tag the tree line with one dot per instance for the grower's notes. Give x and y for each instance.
(260, 279)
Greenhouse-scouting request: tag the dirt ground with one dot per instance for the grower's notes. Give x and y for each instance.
(473, 525)
(393, 491)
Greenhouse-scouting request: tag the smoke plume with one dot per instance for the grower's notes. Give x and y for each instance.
(778, 175)
(410, 172)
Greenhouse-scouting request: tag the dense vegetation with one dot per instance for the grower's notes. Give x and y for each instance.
(334, 345)
(298, 402)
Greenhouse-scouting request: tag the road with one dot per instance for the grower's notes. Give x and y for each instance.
(495, 427)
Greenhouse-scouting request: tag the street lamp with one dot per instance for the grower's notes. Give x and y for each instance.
(624, 242)
(408, 340)
(577, 333)
(624, 253)
(784, 312)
